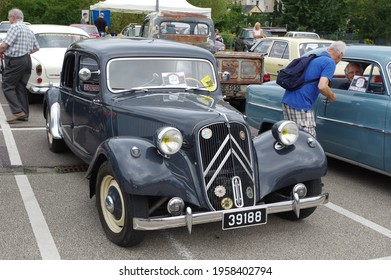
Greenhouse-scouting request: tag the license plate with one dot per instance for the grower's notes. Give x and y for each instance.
(231, 88)
(245, 218)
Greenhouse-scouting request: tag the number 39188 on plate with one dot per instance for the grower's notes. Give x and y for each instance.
(245, 218)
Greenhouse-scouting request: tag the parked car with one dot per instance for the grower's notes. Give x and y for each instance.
(53, 41)
(4, 26)
(189, 28)
(198, 30)
(302, 34)
(355, 128)
(245, 39)
(165, 150)
(131, 30)
(89, 28)
(280, 51)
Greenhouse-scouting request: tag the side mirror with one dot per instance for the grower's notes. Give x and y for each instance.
(84, 74)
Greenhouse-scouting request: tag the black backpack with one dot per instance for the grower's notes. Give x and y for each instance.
(292, 76)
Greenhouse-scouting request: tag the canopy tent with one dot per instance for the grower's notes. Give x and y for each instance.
(146, 6)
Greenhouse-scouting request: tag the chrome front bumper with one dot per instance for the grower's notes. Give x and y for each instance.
(38, 90)
(190, 219)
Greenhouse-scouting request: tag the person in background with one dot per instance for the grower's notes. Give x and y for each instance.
(351, 70)
(258, 31)
(101, 25)
(218, 36)
(16, 48)
(297, 104)
(84, 19)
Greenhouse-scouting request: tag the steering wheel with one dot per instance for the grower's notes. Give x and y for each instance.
(194, 82)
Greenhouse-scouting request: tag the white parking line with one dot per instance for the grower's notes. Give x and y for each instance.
(382, 230)
(45, 241)
(38, 223)
(13, 152)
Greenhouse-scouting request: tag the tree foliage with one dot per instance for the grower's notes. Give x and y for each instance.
(369, 19)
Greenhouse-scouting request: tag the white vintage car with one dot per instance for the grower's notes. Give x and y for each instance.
(53, 41)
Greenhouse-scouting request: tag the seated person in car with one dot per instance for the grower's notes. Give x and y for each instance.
(351, 70)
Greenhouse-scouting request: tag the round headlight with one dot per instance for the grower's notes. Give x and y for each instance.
(285, 132)
(168, 140)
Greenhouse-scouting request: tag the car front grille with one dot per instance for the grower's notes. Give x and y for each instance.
(227, 166)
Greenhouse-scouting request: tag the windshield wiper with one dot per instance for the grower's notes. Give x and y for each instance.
(126, 93)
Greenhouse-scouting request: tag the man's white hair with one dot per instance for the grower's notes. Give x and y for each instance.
(338, 47)
(18, 14)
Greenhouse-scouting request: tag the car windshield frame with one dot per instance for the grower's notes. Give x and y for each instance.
(160, 73)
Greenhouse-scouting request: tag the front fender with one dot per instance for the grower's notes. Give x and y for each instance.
(148, 174)
(303, 161)
(52, 95)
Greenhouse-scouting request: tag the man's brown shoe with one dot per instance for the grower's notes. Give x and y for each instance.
(15, 117)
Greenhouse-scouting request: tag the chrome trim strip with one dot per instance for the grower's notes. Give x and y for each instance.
(215, 156)
(240, 149)
(216, 216)
(267, 107)
(54, 126)
(353, 124)
(237, 191)
(218, 169)
(244, 166)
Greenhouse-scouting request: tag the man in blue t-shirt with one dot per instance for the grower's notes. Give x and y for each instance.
(297, 104)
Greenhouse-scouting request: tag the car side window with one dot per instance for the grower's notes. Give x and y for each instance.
(278, 50)
(375, 79)
(68, 69)
(360, 77)
(90, 85)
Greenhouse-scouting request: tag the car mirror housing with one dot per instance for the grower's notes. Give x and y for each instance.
(85, 74)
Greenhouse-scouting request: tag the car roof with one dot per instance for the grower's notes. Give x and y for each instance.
(53, 28)
(296, 39)
(110, 47)
(175, 14)
(371, 52)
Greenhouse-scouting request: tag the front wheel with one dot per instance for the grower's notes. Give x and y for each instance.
(116, 209)
(314, 188)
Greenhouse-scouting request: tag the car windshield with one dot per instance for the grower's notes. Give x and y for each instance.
(184, 28)
(248, 34)
(309, 46)
(57, 40)
(124, 74)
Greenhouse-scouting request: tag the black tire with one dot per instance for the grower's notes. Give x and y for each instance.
(55, 145)
(314, 188)
(32, 97)
(118, 221)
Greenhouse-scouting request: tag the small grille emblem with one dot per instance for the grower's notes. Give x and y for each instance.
(237, 190)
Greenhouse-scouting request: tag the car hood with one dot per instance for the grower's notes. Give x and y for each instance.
(51, 59)
(185, 111)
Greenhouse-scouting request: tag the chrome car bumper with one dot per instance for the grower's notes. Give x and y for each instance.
(190, 219)
(39, 90)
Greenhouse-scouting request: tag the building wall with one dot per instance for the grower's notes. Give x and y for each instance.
(265, 6)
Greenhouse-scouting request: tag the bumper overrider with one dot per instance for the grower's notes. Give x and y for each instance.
(189, 219)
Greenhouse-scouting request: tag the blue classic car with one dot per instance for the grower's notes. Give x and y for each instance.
(165, 150)
(356, 128)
